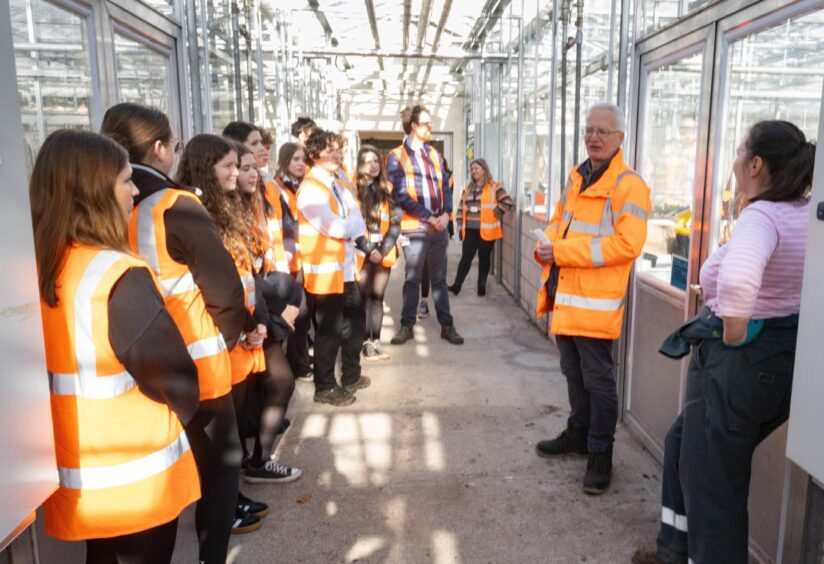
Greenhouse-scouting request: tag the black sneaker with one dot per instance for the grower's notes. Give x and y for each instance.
(308, 377)
(454, 288)
(359, 384)
(285, 423)
(271, 471)
(404, 334)
(245, 523)
(570, 441)
(449, 333)
(252, 507)
(599, 472)
(334, 396)
(481, 289)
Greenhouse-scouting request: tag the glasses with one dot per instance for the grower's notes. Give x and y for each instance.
(599, 132)
(426, 124)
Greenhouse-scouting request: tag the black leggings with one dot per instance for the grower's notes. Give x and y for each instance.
(473, 243)
(261, 402)
(297, 346)
(152, 546)
(373, 282)
(215, 443)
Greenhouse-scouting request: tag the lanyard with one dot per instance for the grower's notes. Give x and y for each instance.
(338, 198)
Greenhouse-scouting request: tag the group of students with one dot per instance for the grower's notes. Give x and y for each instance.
(177, 314)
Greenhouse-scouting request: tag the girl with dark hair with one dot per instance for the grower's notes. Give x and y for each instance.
(483, 203)
(383, 225)
(291, 168)
(740, 373)
(266, 397)
(203, 293)
(115, 358)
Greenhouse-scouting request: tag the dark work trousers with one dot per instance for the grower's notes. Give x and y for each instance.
(425, 285)
(339, 322)
(588, 365)
(735, 398)
(473, 243)
(426, 248)
(373, 282)
(215, 444)
(297, 346)
(152, 546)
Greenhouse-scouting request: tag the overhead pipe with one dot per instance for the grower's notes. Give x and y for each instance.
(564, 59)
(440, 54)
(519, 142)
(579, 45)
(236, 58)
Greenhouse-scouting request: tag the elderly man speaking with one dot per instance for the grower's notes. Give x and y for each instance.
(597, 231)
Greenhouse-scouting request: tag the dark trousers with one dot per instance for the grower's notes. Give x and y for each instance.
(422, 249)
(736, 397)
(373, 282)
(425, 285)
(152, 546)
(472, 244)
(215, 444)
(297, 346)
(339, 326)
(589, 368)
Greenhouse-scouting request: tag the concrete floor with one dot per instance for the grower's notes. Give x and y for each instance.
(435, 462)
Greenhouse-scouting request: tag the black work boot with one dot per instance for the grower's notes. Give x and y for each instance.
(570, 441)
(404, 334)
(454, 288)
(599, 472)
(481, 289)
(336, 396)
(449, 333)
(647, 555)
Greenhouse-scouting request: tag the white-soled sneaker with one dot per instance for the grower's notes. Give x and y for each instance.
(272, 471)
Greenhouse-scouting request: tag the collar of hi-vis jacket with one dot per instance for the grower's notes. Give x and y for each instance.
(604, 186)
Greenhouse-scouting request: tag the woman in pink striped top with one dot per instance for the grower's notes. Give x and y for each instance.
(740, 373)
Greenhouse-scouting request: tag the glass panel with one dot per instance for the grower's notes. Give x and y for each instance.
(142, 74)
(51, 51)
(772, 74)
(656, 14)
(669, 145)
(165, 7)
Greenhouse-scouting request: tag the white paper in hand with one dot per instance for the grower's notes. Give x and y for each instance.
(539, 233)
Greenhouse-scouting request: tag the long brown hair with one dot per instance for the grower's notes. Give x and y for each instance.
(72, 201)
(136, 127)
(372, 200)
(285, 154)
(197, 168)
(252, 207)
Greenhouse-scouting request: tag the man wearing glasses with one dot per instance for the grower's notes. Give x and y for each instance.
(597, 231)
(421, 189)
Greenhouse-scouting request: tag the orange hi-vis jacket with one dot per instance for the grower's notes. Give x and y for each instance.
(292, 201)
(246, 361)
(147, 235)
(322, 256)
(346, 180)
(596, 236)
(123, 460)
(410, 222)
(491, 229)
(277, 258)
(377, 236)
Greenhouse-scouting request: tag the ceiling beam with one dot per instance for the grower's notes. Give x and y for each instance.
(441, 54)
(373, 23)
(324, 23)
(447, 7)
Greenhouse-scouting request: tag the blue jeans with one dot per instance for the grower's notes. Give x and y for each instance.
(426, 249)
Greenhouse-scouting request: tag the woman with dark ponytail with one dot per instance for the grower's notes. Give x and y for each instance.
(740, 374)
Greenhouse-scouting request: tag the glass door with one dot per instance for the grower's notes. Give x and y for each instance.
(673, 99)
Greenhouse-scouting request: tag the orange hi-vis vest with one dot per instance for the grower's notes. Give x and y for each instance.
(411, 222)
(491, 229)
(292, 201)
(123, 460)
(147, 235)
(345, 178)
(274, 223)
(246, 361)
(377, 236)
(322, 256)
(596, 235)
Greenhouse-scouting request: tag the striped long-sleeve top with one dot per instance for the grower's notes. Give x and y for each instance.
(471, 202)
(758, 273)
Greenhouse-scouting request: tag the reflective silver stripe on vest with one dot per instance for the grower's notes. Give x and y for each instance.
(177, 286)
(146, 243)
(385, 217)
(495, 225)
(489, 206)
(248, 282)
(100, 477)
(274, 224)
(567, 216)
(673, 519)
(582, 302)
(282, 266)
(607, 219)
(565, 193)
(86, 382)
(304, 229)
(634, 210)
(584, 227)
(596, 251)
(325, 268)
(623, 174)
(206, 347)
